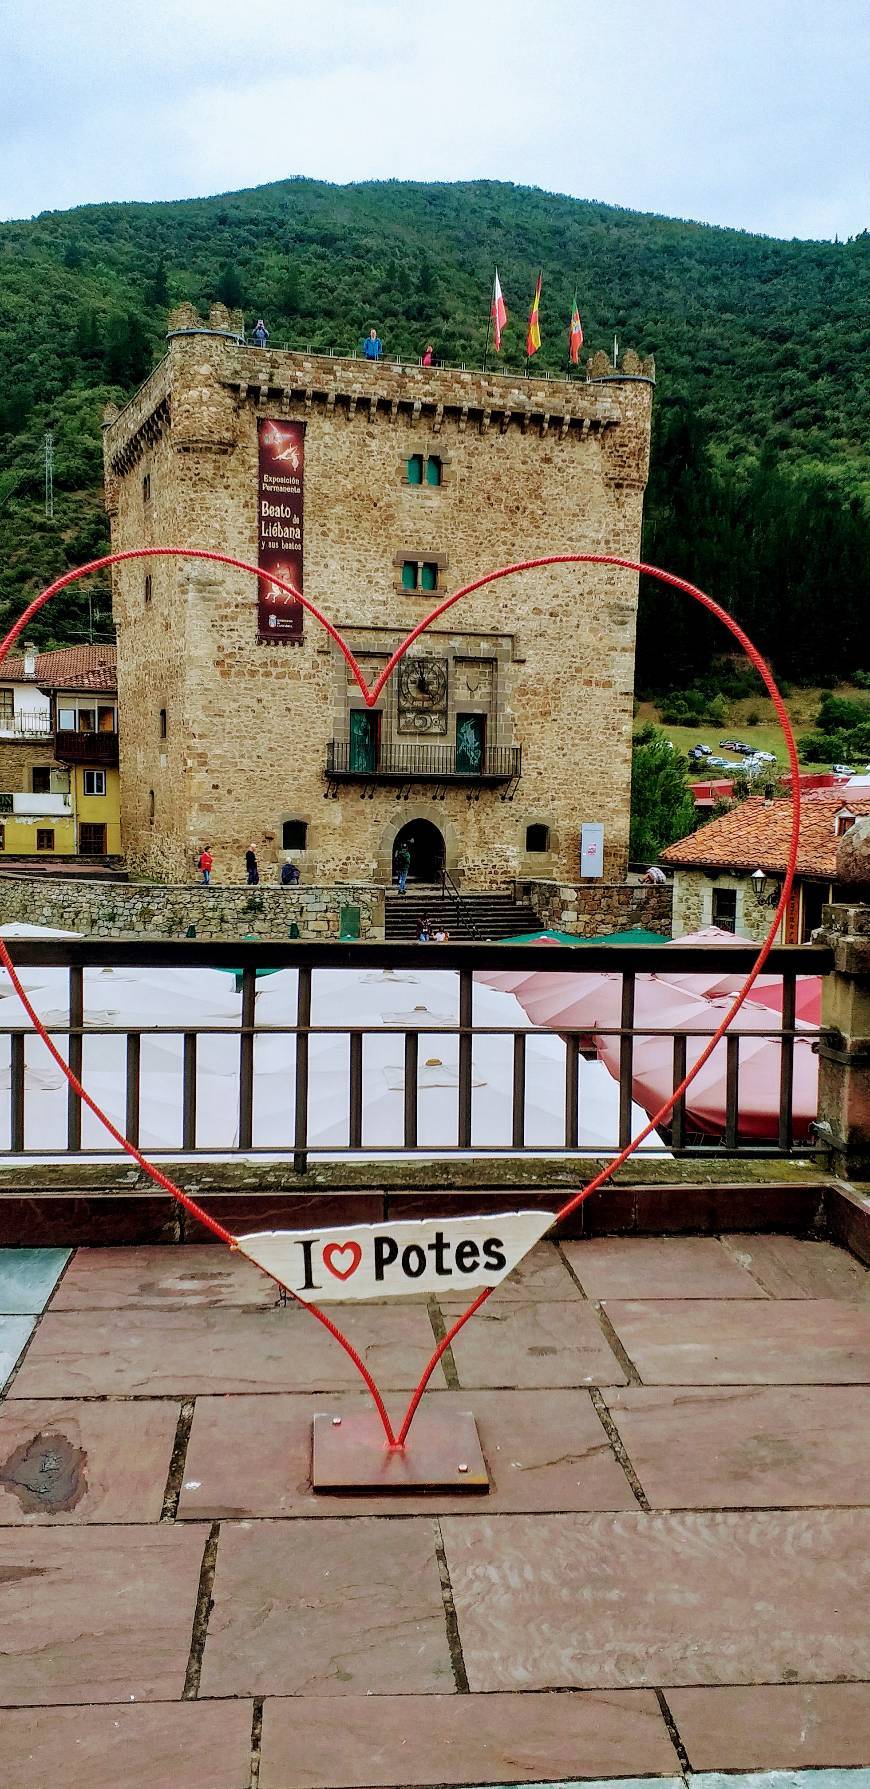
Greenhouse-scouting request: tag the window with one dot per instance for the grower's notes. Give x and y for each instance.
(106, 719)
(151, 806)
(415, 469)
(7, 709)
(87, 720)
(419, 574)
(424, 469)
(470, 744)
(92, 840)
(433, 470)
(146, 488)
(844, 822)
(45, 838)
(149, 588)
(2, 837)
(294, 834)
(537, 838)
(163, 723)
(66, 720)
(95, 782)
(40, 779)
(725, 909)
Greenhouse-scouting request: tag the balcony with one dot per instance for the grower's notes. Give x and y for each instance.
(421, 762)
(38, 807)
(86, 748)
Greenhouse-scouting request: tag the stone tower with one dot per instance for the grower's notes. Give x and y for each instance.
(510, 723)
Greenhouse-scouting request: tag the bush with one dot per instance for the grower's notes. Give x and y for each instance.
(819, 748)
(754, 718)
(718, 710)
(841, 713)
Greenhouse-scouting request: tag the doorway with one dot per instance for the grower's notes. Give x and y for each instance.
(426, 846)
(365, 740)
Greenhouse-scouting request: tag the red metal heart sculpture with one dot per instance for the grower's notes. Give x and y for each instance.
(393, 1438)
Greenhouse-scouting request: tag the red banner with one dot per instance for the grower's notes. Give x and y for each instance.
(279, 539)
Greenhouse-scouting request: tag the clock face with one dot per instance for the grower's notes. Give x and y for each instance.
(422, 695)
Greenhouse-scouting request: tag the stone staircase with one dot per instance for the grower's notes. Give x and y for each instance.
(476, 914)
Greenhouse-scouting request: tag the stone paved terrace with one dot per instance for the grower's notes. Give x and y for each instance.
(677, 1540)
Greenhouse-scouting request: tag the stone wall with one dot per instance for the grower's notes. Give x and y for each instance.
(532, 467)
(593, 909)
(123, 910)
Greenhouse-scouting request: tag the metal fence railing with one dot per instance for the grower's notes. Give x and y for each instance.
(167, 1045)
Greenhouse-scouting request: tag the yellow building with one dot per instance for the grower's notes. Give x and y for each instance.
(59, 791)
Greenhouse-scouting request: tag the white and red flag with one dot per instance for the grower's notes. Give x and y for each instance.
(575, 333)
(498, 313)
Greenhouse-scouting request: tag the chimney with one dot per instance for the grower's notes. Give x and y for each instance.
(31, 653)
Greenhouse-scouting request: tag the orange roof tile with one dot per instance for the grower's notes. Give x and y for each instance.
(756, 833)
(69, 668)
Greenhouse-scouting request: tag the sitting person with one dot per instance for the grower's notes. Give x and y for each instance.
(440, 936)
(289, 873)
(424, 930)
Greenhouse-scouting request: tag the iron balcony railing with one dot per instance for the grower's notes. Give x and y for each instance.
(159, 1064)
(421, 761)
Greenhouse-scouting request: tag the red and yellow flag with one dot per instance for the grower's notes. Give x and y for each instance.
(575, 334)
(533, 333)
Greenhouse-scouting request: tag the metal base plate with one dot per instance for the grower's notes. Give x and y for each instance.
(442, 1453)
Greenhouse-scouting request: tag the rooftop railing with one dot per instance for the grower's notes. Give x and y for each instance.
(337, 1066)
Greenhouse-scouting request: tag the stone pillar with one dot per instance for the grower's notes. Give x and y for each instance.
(844, 1060)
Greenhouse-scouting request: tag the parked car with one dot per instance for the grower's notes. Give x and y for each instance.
(766, 757)
(843, 769)
(700, 754)
(735, 745)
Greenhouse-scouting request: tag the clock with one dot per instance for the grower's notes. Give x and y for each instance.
(422, 695)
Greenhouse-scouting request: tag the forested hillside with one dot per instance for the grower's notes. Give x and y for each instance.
(761, 477)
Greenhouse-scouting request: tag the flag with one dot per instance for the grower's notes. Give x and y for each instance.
(533, 333)
(498, 313)
(575, 334)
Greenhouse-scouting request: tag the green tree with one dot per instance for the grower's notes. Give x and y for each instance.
(662, 809)
(229, 287)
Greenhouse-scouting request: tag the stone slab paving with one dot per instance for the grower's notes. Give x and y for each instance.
(158, 1745)
(344, 1607)
(97, 1614)
(752, 1728)
(659, 1267)
(669, 1576)
(14, 1332)
(598, 1602)
(533, 1345)
(179, 1352)
(756, 1342)
(64, 1462)
(28, 1278)
(400, 1742)
(793, 1267)
(158, 1278)
(746, 1446)
(252, 1457)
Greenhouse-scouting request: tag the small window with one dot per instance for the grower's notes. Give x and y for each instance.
(45, 838)
(844, 823)
(95, 782)
(87, 720)
(7, 709)
(2, 837)
(106, 720)
(163, 723)
(433, 470)
(725, 909)
(415, 469)
(66, 720)
(146, 488)
(429, 576)
(149, 588)
(410, 572)
(40, 779)
(151, 806)
(294, 834)
(537, 838)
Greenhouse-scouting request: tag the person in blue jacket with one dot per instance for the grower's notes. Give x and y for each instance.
(373, 346)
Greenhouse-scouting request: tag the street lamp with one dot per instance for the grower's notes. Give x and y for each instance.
(766, 896)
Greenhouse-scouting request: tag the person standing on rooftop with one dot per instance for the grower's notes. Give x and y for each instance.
(373, 346)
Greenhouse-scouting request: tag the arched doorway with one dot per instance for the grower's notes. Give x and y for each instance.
(426, 846)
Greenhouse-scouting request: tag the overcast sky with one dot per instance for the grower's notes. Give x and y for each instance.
(744, 112)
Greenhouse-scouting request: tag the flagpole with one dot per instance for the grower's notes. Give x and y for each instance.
(488, 334)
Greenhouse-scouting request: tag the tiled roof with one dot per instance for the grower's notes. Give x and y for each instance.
(755, 835)
(69, 668)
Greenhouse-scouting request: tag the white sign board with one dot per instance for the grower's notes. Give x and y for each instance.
(592, 848)
(448, 1255)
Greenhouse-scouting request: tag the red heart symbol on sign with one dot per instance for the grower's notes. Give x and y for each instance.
(337, 1249)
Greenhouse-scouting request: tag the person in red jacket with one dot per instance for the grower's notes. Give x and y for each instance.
(205, 864)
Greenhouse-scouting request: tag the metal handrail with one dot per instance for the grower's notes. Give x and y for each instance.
(462, 906)
(421, 760)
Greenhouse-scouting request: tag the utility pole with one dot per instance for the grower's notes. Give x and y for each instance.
(48, 459)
